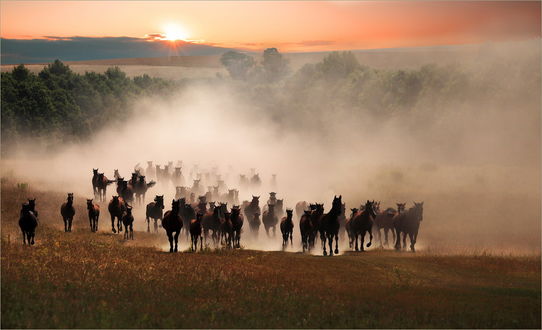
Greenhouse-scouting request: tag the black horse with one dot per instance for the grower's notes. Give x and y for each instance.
(408, 223)
(68, 212)
(28, 223)
(154, 211)
(329, 226)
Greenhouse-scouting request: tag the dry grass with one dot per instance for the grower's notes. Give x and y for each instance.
(85, 280)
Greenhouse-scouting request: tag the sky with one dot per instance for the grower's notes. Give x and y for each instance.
(302, 26)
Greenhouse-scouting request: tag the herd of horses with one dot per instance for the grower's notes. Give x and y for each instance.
(209, 218)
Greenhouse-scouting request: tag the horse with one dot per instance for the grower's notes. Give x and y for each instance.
(306, 230)
(195, 232)
(317, 212)
(187, 213)
(172, 223)
(252, 207)
(95, 181)
(141, 188)
(348, 226)
(408, 223)
(68, 211)
(384, 220)
(93, 215)
(287, 228)
(329, 226)
(237, 223)
(116, 174)
(125, 190)
(226, 229)
(128, 221)
(211, 221)
(362, 224)
(116, 209)
(269, 219)
(103, 182)
(154, 211)
(28, 223)
(279, 208)
(254, 224)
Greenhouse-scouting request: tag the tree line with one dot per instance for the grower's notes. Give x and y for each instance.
(60, 105)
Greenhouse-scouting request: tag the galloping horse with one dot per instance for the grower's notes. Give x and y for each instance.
(68, 211)
(329, 226)
(28, 223)
(116, 209)
(154, 211)
(93, 215)
(172, 223)
(408, 223)
(363, 223)
(287, 228)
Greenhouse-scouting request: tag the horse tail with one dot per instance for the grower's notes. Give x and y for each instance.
(370, 238)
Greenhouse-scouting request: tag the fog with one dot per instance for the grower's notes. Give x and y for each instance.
(475, 165)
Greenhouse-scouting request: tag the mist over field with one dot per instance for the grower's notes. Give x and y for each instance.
(464, 137)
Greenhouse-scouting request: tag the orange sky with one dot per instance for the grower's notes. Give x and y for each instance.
(291, 26)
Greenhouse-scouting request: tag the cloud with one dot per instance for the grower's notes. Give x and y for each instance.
(76, 48)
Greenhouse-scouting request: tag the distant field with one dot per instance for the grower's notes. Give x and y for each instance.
(85, 280)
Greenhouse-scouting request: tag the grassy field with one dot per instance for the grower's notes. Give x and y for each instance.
(85, 280)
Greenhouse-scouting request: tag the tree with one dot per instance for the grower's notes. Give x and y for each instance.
(238, 64)
(275, 66)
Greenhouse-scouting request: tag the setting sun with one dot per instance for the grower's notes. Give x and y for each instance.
(174, 32)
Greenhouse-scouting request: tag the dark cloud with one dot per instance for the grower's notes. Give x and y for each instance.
(16, 51)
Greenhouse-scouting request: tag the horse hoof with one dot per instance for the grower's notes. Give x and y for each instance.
(325, 253)
(368, 244)
(336, 251)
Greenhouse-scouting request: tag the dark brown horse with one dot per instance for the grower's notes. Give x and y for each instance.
(68, 211)
(140, 189)
(254, 224)
(128, 221)
(116, 209)
(384, 220)
(187, 213)
(270, 219)
(103, 182)
(28, 223)
(408, 222)
(173, 224)
(287, 228)
(306, 230)
(211, 221)
(329, 226)
(195, 232)
(226, 229)
(237, 224)
(317, 212)
(93, 215)
(252, 207)
(362, 224)
(154, 211)
(95, 181)
(348, 227)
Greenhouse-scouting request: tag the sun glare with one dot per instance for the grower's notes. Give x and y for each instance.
(175, 32)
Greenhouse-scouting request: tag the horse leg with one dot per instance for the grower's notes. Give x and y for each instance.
(412, 241)
(113, 224)
(132, 231)
(155, 225)
(386, 230)
(397, 239)
(125, 232)
(90, 220)
(323, 238)
(404, 239)
(70, 223)
(362, 240)
(200, 243)
(32, 234)
(119, 223)
(170, 238)
(292, 238)
(336, 243)
(148, 224)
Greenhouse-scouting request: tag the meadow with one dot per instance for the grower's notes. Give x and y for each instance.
(98, 280)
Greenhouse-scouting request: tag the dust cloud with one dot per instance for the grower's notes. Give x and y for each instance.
(475, 163)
